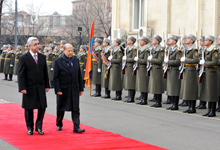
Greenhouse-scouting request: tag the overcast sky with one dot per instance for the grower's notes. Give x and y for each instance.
(63, 7)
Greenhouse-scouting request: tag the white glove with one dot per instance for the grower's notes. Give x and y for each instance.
(11, 65)
(136, 58)
(202, 62)
(99, 70)
(149, 58)
(124, 57)
(183, 59)
(110, 58)
(166, 60)
(51, 69)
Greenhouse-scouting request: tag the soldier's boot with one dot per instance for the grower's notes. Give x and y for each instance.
(209, 109)
(129, 96)
(202, 105)
(172, 102)
(168, 100)
(185, 103)
(10, 77)
(193, 107)
(176, 103)
(213, 110)
(144, 99)
(142, 96)
(186, 111)
(218, 108)
(182, 103)
(153, 99)
(6, 77)
(132, 96)
(98, 91)
(107, 93)
(118, 95)
(158, 101)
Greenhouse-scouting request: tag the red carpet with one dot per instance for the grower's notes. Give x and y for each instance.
(13, 130)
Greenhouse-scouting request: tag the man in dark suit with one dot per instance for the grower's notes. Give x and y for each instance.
(33, 83)
(68, 87)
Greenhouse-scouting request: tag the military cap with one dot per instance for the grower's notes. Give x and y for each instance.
(107, 40)
(84, 47)
(10, 46)
(63, 42)
(26, 45)
(144, 39)
(57, 48)
(117, 40)
(158, 38)
(19, 47)
(210, 37)
(192, 37)
(184, 37)
(52, 46)
(40, 47)
(5, 46)
(132, 38)
(175, 37)
(202, 38)
(98, 40)
(46, 48)
(169, 38)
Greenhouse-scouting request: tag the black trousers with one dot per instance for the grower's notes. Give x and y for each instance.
(75, 118)
(29, 117)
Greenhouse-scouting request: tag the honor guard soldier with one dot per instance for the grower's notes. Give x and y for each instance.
(142, 79)
(210, 90)
(26, 48)
(62, 43)
(115, 80)
(96, 67)
(184, 102)
(9, 63)
(2, 62)
(190, 76)
(17, 57)
(156, 72)
(129, 80)
(50, 64)
(45, 51)
(218, 43)
(202, 104)
(172, 61)
(82, 61)
(106, 51)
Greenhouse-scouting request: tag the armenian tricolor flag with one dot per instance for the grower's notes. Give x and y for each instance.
(88, 71)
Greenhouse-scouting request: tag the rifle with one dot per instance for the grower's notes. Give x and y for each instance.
(110, 64)
(201, 71)
(166, 65)
(124, 61)
(183, 64)
(197, 43)
(149, 66)
(135, 67)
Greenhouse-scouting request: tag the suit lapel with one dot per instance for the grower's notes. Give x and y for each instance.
(65, 65)
(31, 59)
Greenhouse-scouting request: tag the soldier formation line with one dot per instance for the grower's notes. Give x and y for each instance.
(189, 72)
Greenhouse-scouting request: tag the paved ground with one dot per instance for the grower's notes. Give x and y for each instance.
(169, 129)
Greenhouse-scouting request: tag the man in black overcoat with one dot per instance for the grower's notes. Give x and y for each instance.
(33, 83)
(68, 87)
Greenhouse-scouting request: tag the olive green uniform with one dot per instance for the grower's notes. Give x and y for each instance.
(17, 56)
(82, 63)
(104, 76)
(2, 62)
(49, 59)
(210, 90)
(9, 63)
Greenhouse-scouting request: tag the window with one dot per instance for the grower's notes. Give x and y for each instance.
(138, 14)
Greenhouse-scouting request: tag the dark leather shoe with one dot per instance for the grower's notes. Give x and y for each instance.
(59, 128)
(153, 100)
(78, 130)
(185, 103)
(97, 95)
(130, 100)
(30, 132)
(41, 132)
(4, 79)
(139, 98)
(118, 98)
(157, 105)
(127, 96)
(106, 96)
(153, 105)
(186, 111)
(9, 79)
(212, 114)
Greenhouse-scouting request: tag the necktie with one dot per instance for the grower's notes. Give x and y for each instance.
(35, 58)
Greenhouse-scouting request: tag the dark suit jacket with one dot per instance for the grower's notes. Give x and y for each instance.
(67, 82)
(33, 78)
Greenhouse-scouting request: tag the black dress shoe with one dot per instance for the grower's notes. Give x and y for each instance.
(130, 100)
(186, 111)
(78, 130)
(97, 95)
(139, 98)
(30, 132)
(185, 103)
(106, 96)
(40, 131)
(118, 98)
(59, 128)
(9, 79)
(153, 100)
(4, 79)
(157, 105)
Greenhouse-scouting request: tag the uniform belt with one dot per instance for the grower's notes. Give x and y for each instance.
(211, 66)
(2, 57)
(190, 64)
(49, 61)
(7, 58)
(81, 63)
(93, 59)
(16, 59)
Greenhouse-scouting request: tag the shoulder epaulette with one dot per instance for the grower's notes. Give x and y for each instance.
(195, 48)
(161, 49)
(215, 48)
(119, 49)
(178, 48)
(100, 49)
(147, 49)
(134, 47)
